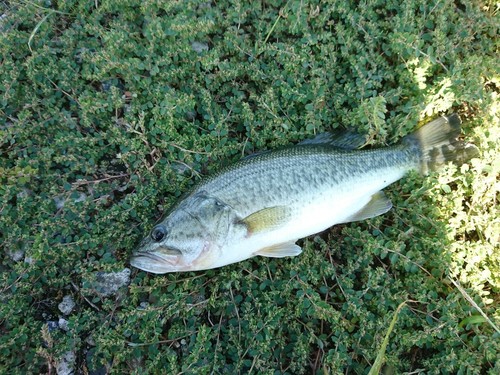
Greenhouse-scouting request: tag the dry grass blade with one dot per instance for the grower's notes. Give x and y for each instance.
(476, 306)
(36, 29)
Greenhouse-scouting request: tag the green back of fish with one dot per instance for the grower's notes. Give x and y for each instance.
(298, 172)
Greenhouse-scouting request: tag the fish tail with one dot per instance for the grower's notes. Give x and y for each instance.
(438, 144)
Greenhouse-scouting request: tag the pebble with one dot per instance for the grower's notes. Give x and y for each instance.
(60, 201)
(52, 325)
(199, 47)
(67, 305)
(66, 365)
(63, 324)
(16, 255)
(107, 284)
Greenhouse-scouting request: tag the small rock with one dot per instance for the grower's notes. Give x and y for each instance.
(180, 168)
(199, 47)
(190, 115)
(63, 324)
(52, 325)
(67, 305)
(90, 340)
(106, 85)
(107, 284)
(3, 22)
(15, 255)
(92, 370)
(59, 201)
(66, 365)
(81, 198)
(24, 193)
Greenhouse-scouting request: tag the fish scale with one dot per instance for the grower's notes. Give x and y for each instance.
(262, 204)
(283, 176)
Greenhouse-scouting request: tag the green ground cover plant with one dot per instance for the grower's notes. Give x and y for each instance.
(110, 110)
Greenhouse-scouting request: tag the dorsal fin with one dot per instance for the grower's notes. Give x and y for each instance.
(344, 139)
(255, 154)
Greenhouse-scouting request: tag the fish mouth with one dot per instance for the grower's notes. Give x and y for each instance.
(158, 263)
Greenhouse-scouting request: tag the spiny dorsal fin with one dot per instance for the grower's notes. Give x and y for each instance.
(267, 218)
(258, 153)
(287, 249)
(344, 139)
(378, 205)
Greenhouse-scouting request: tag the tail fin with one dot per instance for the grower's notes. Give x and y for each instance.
(438, 143)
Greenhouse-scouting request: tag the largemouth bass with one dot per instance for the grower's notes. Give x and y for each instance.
(263, 204)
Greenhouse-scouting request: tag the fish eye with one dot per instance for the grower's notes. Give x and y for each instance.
(158, 233)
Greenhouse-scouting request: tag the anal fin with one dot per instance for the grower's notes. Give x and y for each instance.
(378, 205)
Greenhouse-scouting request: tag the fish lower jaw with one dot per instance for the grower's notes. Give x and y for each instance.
(147, 264)
(153, 263)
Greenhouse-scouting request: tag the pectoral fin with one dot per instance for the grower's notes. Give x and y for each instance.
(287, 249)
(378, 205)
(267, 218)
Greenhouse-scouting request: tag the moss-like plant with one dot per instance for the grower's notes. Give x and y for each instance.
(110, 110)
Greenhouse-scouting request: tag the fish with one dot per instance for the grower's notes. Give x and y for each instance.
(263, 204)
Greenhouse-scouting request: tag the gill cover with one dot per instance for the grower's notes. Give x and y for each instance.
(188, 238)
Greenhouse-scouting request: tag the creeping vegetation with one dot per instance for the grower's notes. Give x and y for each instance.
(111, 110)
